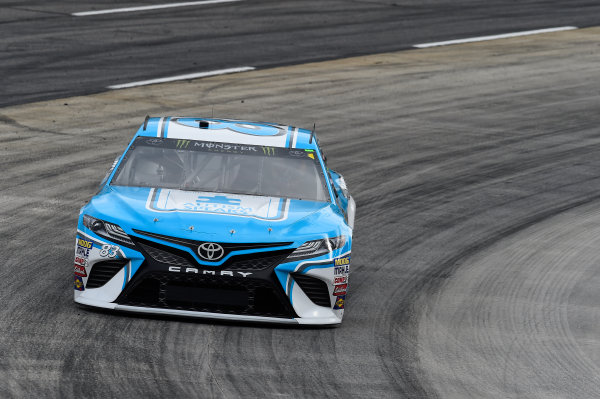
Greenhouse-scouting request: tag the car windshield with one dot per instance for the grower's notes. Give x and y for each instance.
(222, 167)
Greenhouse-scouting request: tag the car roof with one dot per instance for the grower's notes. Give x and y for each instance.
(227, 131)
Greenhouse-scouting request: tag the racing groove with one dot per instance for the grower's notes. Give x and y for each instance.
(474, 271)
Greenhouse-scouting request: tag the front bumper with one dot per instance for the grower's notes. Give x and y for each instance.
(205, 315)
(158, 277)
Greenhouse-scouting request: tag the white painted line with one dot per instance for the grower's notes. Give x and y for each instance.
(494, 37)
(152, 7)
(182, 77)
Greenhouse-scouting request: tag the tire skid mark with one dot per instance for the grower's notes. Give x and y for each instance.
(541, 303)
(401, 305)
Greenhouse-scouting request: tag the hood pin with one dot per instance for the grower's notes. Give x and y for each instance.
(155, 220)
(191, 227)
(232, 231)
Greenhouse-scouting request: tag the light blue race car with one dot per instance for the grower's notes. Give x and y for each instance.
(222, 219)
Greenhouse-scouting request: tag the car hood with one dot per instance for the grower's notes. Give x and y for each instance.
(206, 216)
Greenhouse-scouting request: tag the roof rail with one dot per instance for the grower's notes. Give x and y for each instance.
(312, 133)
(146, 122)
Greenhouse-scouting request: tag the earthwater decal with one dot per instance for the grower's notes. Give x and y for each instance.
(265, 208)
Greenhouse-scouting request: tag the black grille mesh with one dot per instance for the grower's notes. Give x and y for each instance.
(316, 290)
(203, 293)
(165, 257)
(103, 271)
(258, 263)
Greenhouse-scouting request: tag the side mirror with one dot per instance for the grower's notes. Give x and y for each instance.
(339, 182)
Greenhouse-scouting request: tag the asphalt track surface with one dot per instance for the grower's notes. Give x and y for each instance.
(475, 263)
(47, 53)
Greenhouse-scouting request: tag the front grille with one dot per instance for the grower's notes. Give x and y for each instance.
(204, 293)
(245, 284)
(173, 256)
(103, 271)
(316, 290)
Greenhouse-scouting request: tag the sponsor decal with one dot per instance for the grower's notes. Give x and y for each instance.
(266, 208)
(269, 151)
(83, 248)
(339, 302)
(81, 261)
(342, 267)
(297, 153)
(236, 148)
(342, 261)
(180, 269)
(229, 131)
(154, 141)
(109, 251)
(311, 156)
(85, 244)
(85, 252)
(263, 129)
(340, 280)
(253, 130)
(218, 199)
(78, 284)
(339, 290)
(210, 251)
(218, 204)
(80, 270)
(182, 144)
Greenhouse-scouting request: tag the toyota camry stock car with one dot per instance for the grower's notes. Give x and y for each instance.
(218, 218)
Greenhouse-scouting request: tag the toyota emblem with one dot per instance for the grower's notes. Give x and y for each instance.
(211, 251)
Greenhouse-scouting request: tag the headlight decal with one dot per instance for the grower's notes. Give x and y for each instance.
(314, 248)
(107, 230)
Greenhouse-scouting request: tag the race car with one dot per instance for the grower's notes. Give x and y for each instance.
(218, 218)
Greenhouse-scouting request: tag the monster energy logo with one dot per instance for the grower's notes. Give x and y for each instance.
(270, 151)
(183, 143)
